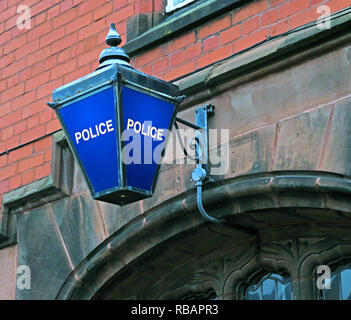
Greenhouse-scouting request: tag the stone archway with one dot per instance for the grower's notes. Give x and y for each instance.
(173, 253)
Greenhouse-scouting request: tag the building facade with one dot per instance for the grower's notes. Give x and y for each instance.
(277, 73)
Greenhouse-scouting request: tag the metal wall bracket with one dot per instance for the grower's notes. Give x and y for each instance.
(201, 173)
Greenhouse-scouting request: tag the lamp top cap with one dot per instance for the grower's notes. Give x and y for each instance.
(114, 54)
(113, 38)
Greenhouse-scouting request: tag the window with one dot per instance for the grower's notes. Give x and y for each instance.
(176, 4)
(270, 287)
(340, 285)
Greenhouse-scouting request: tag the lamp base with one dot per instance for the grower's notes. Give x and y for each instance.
(124, 196)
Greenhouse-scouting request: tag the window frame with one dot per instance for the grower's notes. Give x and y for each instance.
(170, 7)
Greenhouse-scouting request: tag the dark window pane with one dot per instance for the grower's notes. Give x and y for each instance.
(346, 284)
(340, 285)
(271, 287)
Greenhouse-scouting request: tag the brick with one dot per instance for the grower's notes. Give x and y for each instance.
(65, 5)
(45, 116)
(53, 126)
(214, 56)
(62, 69)
(3, 85)
(177, 58)
(92, 29)
(43, 144)
(122, 14)
(42, 171)
(302, 18)
(64, 43)
(5, 60)
(214, 27)
(15, 43)
(193, 51)
(53, 12)
(269, 17)
(149, 56)
(52, 37)
(33, 121)
(47, 155)
(250, 10)
(28, 177)
(33, 109)
(4, 186)
(9, 144)
(143, 6)
(180, 71)
(20, 153)
(9, 12)
(44, 65)
(5, 37)
(3, 5)
(64, 18)
(161, 65)
(32, 134)
(148, 69)
(118, 4)
(211, 43)
(46, 90)
(279, 28)
(250, 25)
(231, 34)
(293, 7)
(64, 56)
(13, 68)
(11, 81)
(77, 49)
(11, 118)
(16, 32)
(12, 92)
(88, 6)
(3, 160)
(40, 7)
(5, 109)
(90, 56)
(25, 74)
(37, 81)
(77, 2)
(79, 23)
(39, 19)
(92, 43)
(30, 163)
(7, 133)
(274, 3)
(15, 182)
(337, 5)
(20, 127)
(77, 73)
(180, 42)
(23, 100)
(250, 40)
(38, 56)
(102, 11)
(12, 21)
(8, 171)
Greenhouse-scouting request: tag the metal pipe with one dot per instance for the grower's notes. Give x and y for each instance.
(189, 124)
(201, 207)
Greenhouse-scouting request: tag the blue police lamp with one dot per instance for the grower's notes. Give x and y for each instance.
(116, 121)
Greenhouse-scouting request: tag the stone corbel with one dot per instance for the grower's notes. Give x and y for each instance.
(53, 187)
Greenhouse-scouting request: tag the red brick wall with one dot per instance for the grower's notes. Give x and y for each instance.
(65, 41)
